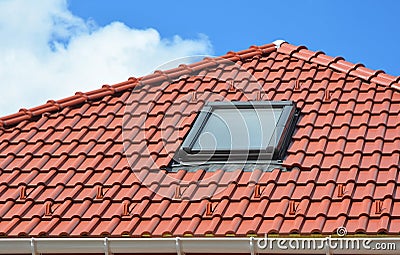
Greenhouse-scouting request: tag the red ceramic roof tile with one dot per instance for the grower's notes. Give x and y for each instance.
(65, 151)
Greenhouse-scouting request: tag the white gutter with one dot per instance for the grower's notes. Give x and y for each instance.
(193, 245)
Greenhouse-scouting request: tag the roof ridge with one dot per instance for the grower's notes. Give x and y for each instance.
(300, 52)
(106, 90)
(340, 64)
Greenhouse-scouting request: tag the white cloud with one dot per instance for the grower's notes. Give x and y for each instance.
(46, 52)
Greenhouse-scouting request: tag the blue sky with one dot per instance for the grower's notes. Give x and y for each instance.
(360, 31)
(54, 48)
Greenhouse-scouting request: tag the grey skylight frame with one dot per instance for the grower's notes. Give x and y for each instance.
(282, 133)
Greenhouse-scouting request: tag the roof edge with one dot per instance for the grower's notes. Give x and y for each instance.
(339, 64)
(158, 76)
(301, 52)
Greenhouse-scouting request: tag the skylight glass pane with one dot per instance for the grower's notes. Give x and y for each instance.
(238, 129)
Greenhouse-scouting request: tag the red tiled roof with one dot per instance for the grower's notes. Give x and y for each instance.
(64, 171)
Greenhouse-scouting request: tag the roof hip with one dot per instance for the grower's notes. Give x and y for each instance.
(340, 64)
